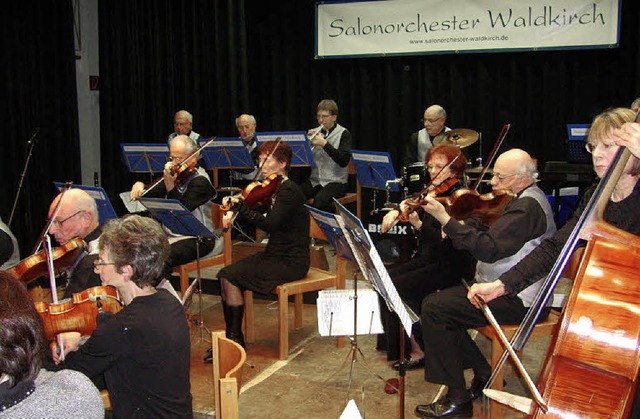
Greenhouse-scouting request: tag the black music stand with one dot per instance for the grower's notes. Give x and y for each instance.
(145, 158)
(105, 209)
(226, 153)
(374, 170)
(177, 218)
(375, 272)
(300, 146)
(329, 226)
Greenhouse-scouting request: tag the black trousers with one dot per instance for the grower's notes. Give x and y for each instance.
(449, 349)
(323, 195)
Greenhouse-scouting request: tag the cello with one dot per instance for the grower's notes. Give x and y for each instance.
(593, 361)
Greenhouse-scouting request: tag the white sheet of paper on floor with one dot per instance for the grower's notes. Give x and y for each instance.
(351, 411)
(336, 311)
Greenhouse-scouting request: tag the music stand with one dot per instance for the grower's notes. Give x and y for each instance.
(226, 153)
(300, 145)
(374, 170)
(145, 158)
(374, 271)
(173, 215)
(105, 209)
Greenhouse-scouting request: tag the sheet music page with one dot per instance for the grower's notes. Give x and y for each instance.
(336, 311)
(132, 206)
(373, 268)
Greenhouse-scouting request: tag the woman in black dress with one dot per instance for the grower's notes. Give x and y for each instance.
(286, 257)
(436, 265)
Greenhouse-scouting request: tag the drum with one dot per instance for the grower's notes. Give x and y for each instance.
(414, 178)
(396, 246)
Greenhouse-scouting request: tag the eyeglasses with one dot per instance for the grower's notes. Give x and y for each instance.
(174, 158)
(98, 262)
(58, 223)
(430, 120)
(500, 176)
(591, 147)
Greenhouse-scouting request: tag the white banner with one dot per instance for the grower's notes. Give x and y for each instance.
(400, 27)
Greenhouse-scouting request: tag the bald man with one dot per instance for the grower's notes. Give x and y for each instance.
(446, 315)
(77, 216)
(433, 133)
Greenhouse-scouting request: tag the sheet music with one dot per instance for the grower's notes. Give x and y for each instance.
(335, 312)
(372, 266)
(132, 206)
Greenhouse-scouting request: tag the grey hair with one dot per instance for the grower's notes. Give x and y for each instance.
(188, 141)
(184, 114)
(251, 118)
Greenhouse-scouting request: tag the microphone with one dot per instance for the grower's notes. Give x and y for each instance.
(33, 137)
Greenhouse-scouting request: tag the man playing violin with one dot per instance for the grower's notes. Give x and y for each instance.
(185, 181)
(77, 216)
(331, 150)
(286, 257)
(436, 265)
(143, 351)
(446, 315)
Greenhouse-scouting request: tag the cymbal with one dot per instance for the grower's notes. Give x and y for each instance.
(462, 137)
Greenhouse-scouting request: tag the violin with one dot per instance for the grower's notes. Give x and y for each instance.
(182, 170)
(258, 193)
(467, 203)
(35, 266)
(415, 203)
(78, 314)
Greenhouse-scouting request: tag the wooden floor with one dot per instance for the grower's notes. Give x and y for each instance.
(318, 379)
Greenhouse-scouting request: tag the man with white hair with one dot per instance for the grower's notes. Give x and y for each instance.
(433, 133)
(77, 216)
(183, 124)
(446, 315)
(246, 126)
(193, 188)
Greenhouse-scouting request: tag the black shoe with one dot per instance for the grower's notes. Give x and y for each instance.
(409, 364)
(208, 358)
(445, 408)
(477, 385)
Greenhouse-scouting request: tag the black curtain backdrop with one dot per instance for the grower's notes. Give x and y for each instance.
(220, 58)
(38, 93)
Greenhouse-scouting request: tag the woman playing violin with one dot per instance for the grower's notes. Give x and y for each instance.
(437, 265)
(286, 257)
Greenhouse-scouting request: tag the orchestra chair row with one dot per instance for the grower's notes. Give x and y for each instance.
(351, 197)
(206, 261)
(316, 279)
(228, 360)
(547, 327)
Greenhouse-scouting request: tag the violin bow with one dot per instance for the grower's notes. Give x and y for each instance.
(52, 285)
(496, 146)
(505, 342)
(47, 227)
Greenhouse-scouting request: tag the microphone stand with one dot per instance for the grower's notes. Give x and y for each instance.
(31, 143)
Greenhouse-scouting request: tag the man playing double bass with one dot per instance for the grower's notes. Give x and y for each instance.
(446, 315)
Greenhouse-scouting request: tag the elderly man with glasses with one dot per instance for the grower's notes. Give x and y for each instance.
(433, 133)
(77, 216)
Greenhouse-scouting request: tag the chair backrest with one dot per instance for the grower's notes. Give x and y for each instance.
(228, 360)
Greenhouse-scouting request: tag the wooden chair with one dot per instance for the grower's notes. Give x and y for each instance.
(315, 280)
(353, 196)
(106, 400)
(206, 262)
(545, 328)
(229, 357)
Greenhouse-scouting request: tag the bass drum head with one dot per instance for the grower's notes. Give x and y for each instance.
(396, 246)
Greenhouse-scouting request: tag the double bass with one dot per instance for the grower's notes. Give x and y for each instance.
(594, 359)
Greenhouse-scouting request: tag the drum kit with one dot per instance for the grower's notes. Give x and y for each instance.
(400, 244)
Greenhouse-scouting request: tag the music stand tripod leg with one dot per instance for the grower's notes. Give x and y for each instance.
(200, 322)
